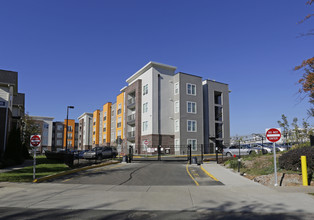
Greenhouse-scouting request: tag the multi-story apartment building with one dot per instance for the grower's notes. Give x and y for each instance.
(161, 107)
(96, 122)
(72, 133)
(216, 115)
(119, 116)
(85, 136)
(57, 135)
(169, 109)
(45, 126)
(106, 124)
(113, 125)
(12, 106)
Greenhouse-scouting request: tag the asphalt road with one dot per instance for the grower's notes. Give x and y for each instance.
(157, 173)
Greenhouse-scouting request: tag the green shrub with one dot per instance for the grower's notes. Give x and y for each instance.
(291, 160)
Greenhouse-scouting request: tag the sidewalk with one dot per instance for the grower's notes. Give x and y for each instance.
(237, 195)
(233, 179)
(26, 163)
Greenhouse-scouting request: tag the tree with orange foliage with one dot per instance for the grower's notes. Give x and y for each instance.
(307, 80)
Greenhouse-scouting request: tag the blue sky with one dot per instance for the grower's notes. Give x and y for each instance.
(80, 53)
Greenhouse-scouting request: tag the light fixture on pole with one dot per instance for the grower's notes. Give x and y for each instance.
(66, 131)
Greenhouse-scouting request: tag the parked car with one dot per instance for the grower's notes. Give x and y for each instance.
(259, 147)
(101, 153)
(234, 150)
(81, 154)
(282, 147)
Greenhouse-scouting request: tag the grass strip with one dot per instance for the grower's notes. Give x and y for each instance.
(44, 167)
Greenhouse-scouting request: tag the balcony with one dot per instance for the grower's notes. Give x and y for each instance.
(131, 136)
(131, 103)
(131, 119)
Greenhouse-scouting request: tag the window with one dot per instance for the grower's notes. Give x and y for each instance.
(145, 125)
(59, 143)
(119, 109)
(218, 100)
(59, 127)
(145, 89)
(59, 135)
(104, 129)
(176, 125)
(177, 144)
(104, 140)
(191, 107)
(119, 122)
(218, 130)
(191, 89)
(145, 107)
(218, 113)
(70, 128)
(70, 135)
(70, 143)
(193, 143)
(176, 88)
(176, 107)
(191, 126)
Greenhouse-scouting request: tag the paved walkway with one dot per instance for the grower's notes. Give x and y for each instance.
(16, 167)
(238, 194)
(234, 179)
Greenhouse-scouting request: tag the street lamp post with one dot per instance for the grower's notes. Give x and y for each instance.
(66, 131)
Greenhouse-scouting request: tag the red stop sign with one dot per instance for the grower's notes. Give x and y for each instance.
(35, 140)
(273, 135)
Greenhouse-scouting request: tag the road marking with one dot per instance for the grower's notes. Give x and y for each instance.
(211, 176)
(66, 180)
(187, 170)
(107, 168)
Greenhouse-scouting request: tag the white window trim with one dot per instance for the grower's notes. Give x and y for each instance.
(177, 145)
(187, 141)
(187, 107)
(187, 125)
(177, 129)
(188, 90)
(145, 107)
(176, 85)
(145, 126)
(145, 89)
(175, 106)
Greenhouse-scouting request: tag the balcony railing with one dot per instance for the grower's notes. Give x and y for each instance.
(131, 101)
(131, 117)
(131, 134)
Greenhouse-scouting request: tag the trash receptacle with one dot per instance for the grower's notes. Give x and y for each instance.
(194, 160)
(125, 159)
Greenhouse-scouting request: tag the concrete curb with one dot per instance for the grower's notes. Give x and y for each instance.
(208, 174)
(73, 171)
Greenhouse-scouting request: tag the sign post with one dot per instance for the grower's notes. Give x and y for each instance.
(274, 135)
(35, 142)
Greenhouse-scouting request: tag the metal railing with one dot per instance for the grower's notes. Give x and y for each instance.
(131, 117)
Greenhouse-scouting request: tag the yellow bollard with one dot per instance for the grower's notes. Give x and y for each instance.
(304, 170)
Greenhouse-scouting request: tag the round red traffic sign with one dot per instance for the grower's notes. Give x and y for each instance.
(146, 142)
(273, 135)
(35, 140)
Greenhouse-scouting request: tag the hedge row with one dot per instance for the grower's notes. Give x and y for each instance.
(291, 160)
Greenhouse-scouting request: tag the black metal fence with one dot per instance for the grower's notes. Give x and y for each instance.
(167, 152)
(75, 159)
